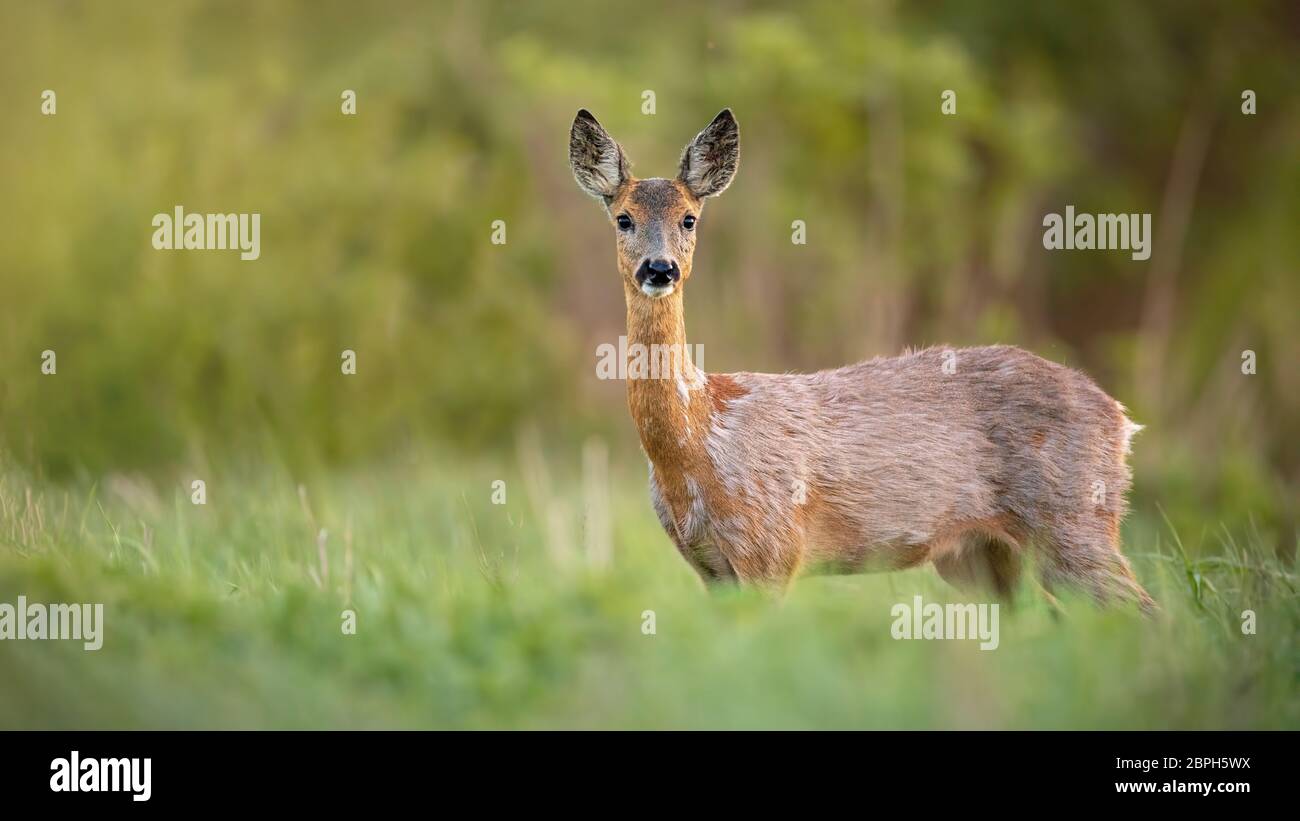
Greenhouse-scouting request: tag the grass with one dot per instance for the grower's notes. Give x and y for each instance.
(529, 614)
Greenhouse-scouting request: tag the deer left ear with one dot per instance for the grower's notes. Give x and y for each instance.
(710, 160)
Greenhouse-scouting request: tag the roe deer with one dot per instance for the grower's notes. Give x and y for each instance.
(965, 458)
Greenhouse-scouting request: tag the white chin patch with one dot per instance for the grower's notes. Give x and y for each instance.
(656, 291)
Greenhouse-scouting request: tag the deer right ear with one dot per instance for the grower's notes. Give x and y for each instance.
(598, 162)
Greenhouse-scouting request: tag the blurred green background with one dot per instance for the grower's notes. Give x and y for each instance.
(921, 229)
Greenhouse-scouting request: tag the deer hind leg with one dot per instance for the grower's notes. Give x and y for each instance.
(981, 564)
(1087, 556)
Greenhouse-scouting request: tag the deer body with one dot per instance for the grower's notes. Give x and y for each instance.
(968, 458)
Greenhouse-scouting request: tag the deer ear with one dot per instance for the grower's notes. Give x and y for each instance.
(598, 162)
(709, 161)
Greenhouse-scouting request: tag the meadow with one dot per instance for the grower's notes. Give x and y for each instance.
(532, 614)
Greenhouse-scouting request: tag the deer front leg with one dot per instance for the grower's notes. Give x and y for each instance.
(770, 561)
(726, 559)
(726, 540)
(703, 556)
(705, 559)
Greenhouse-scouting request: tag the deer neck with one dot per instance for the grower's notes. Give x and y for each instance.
(670, 405)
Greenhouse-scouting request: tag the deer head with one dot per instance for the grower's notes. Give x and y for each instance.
(654, 219)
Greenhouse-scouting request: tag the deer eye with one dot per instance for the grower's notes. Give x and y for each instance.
(689, 222)
(624, 222)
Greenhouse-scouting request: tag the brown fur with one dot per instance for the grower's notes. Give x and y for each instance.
(722, 390)
(967, 458)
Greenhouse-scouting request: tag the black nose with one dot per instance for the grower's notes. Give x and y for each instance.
(658, 272)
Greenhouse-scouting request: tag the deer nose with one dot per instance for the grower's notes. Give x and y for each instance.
(658, 272)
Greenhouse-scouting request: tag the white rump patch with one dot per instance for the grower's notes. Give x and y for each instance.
(1130, 428)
